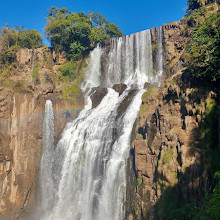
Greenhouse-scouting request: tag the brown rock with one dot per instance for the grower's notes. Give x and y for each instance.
(98, 95)
(120, 88)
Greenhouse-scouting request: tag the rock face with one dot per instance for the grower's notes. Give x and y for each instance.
(120, 88)
(169, 162)
(98, 95)
(21, 118)
(169, 165)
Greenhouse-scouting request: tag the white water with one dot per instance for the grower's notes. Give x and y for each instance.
(46, 173)
(84, 176)
(159, 60)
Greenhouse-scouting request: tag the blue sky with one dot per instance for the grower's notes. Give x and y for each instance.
(130, 16)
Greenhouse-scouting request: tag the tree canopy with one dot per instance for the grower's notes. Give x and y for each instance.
(76, 33)
(204, 50)
(18, 37)
(195, 4)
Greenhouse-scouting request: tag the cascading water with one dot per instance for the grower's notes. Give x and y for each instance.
(46, 175)
(84, 176)
(159, 60)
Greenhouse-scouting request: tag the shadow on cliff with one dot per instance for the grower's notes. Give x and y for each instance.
(180, 201)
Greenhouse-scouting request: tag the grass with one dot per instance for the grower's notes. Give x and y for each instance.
(152, 90)
(18, 86)
(167, 156)
(154, 47)
(67, 71)
(73, 89)
(139, 181)
(7, 70)
(35, 72)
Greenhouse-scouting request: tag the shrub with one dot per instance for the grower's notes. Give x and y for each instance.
(139, 181)
(167, 156)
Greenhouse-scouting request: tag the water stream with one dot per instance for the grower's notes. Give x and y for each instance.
(83, 177)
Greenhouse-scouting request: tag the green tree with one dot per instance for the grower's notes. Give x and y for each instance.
(68, 31)
(195, 4)
(112, 30)
(31, 39)
(76, 33)
(204, 50)
(97, 18)
(13, 39)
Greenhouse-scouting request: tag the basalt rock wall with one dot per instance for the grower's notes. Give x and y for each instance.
(21, 121)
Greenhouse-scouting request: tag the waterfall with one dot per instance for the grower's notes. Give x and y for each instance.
(84, 176)
(159, 60)
(46, 172)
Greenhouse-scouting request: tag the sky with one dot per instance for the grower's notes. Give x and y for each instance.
(130, 15)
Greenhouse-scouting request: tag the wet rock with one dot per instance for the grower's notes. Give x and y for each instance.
(98, 95)
(147, 85)
(125, 103)
(120, 88)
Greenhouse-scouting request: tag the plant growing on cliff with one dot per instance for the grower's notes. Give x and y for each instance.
(139, 181)
(10, 42)
(67, 71)
(205, 50)
(167, 156)
(195, 4)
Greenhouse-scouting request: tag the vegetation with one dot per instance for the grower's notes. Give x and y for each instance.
(195, 4)
(15, 86)
(210, 209)
(167, 156)
(204, 50)
(139, 181)
(67, 71)
(203, 25)
(35, 72)
(10, 42)
(76, 33)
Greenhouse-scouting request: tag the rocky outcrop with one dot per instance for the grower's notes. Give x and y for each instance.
(175, 40)
(97, 95)
(120, 88)
(171, 163)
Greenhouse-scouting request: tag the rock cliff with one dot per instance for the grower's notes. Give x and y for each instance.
(21, 118)
(170, 158)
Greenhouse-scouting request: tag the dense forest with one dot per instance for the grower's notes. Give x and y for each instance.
(75, 34)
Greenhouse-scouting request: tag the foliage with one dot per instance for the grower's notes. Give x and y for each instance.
(21, 37)
(15, 86)
(186, 212)
(73, 90)
(139, 181)
(13, 39)
(209, 128)
(204, 50)
(167, 156)
(31, 39)
(195, 4)
(35, 72)
(76, 33)
(209, 210)
(67, 71)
